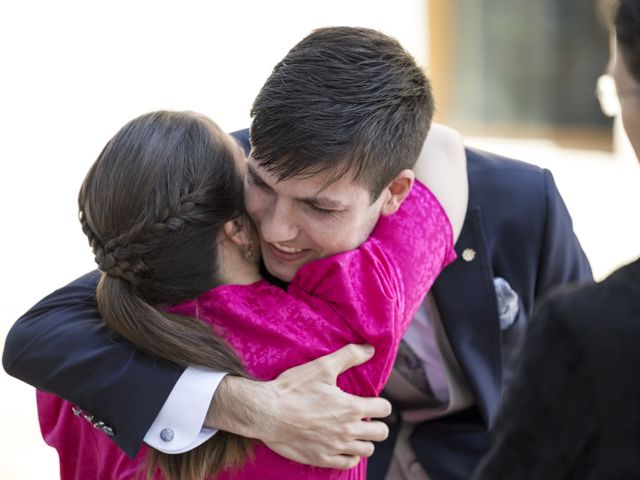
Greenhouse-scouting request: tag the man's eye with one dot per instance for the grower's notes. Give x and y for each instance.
(322, 211)
(259, 183)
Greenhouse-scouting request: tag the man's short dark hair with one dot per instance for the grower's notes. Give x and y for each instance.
(345, 100)
(627, 30)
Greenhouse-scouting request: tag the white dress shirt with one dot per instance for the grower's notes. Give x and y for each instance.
(179, 426)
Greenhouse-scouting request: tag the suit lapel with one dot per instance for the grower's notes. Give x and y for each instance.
(466, 300)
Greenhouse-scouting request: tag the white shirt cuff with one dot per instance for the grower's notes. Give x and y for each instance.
(179, 427)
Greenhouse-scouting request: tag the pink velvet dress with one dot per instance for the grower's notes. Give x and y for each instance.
(367, 295)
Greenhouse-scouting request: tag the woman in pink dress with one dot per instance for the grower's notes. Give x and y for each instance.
(162, 208)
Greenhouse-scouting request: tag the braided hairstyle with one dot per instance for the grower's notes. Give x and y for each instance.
(152, 207)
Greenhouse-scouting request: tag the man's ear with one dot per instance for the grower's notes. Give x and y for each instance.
(397, 191)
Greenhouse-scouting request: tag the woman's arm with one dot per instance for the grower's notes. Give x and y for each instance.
(370, 294)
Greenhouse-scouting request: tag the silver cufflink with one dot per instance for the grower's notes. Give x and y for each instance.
(166, 434)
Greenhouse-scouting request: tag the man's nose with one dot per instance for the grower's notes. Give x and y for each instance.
(279, 225)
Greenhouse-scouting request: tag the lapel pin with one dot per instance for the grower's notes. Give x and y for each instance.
(468, 254)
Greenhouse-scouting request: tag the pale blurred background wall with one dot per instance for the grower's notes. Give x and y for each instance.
(74, 72)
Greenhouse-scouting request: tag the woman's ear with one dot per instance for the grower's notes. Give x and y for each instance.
(235, 231)
(397, 191)
(238, 260)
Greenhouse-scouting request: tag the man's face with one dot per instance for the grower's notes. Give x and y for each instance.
(303, 219)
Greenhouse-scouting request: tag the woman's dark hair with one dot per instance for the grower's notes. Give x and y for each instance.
(152, 206)
(344, 100)
(627, 30)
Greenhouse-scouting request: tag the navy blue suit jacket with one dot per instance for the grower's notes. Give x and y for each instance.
(520, 230)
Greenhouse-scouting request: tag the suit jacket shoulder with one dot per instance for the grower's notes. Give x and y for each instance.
(506, 189)
(242, 136)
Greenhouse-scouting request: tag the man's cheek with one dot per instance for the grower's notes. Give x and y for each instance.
(331, 245)
(254, 205)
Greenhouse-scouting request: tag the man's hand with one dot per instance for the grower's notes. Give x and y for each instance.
(302, 414)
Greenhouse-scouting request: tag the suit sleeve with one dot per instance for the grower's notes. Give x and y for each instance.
(62, 346)
(549, 411)
(562, 260)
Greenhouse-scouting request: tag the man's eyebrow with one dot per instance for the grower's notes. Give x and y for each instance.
(251, 170)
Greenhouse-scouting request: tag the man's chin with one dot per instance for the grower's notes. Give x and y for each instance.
(282, 272)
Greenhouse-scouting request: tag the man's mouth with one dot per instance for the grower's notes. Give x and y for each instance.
(284, 253)
(286, 249)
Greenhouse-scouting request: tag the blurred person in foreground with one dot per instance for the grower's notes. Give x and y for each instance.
(573, 411)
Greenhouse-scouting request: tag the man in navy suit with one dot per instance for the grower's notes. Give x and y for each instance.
(516, 244)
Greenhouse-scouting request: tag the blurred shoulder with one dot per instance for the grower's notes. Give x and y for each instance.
(601, 312)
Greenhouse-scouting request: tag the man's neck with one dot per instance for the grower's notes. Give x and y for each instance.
(271, 279)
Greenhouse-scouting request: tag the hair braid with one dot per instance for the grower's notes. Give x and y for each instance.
(121, 256)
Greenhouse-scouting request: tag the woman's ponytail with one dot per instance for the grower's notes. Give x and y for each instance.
(184, 341)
